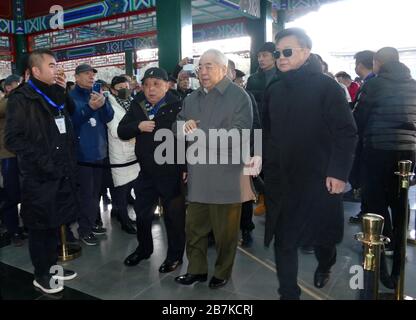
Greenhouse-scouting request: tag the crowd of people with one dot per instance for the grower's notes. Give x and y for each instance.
(62, 144)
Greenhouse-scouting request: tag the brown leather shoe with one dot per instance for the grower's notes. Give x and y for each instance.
(261, 208)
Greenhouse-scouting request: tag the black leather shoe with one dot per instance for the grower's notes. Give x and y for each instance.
(356, 219)
(135, 258)
(128, 228)
(307, 249)
(188, 279)
(169, 266)
(386, 280)
(247, 239)
(216, 283)
(320, 279)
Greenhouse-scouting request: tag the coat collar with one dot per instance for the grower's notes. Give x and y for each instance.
(220, 86)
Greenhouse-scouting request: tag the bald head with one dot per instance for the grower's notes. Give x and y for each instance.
(383, 56)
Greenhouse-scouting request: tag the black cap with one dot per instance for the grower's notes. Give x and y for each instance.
(172, 79)
(157, 73)
(84, 68)
(268, 47)
(239, 73)
(117, 80)
(12, 78)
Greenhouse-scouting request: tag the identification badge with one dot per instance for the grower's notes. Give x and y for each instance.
(60, 123)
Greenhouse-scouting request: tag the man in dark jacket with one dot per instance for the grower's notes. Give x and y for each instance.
(153, 109)
(10, 172)
(386, 125)
(39, 131)
(90, 117)
(256, 85)
(258, 82)
(364, 69)
(309, 139)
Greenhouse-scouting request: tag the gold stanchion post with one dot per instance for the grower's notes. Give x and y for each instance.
(66, 251)
(372, 240)
(404, 174)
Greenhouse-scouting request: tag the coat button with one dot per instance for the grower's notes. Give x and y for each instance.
(57, 148)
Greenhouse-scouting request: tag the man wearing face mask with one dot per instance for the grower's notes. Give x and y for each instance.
(121, 152)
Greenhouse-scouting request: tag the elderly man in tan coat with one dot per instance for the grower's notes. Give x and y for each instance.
(215, 189)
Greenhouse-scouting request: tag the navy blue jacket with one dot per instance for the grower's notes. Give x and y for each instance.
(90, 126)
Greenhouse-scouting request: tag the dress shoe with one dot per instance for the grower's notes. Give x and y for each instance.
(261, 207)
(169, 266)
(129, 228)
(387, 281)
(320, 279)
(356, 219)
(188, 279)
(216, 283)
(307, 249)
(247, 239)
(135, 258)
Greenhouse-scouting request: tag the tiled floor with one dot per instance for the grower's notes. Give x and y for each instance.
(102, 274)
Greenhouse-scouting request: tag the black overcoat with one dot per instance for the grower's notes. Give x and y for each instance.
(46, 158)
(309, 135)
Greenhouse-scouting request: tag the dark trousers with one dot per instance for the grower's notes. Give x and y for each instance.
(148, 190)
(120, 200)
(89, 180)
(43, 249)
(246, 222)
(287, 267)
(11, 194)
(381, 191)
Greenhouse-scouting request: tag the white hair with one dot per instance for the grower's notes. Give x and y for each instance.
(219, 57)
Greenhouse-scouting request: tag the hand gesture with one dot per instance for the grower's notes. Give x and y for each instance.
(147, 126)
(97, 100)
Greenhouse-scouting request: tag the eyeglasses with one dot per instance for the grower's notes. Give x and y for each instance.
(285, 52)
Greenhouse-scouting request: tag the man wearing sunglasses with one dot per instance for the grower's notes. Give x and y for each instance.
(309, 141)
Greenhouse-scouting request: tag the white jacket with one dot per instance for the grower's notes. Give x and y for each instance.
(120, 151)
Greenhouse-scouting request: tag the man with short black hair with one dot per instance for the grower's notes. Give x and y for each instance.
(364, 64)
(305, 169)
(386, 121)
(39, 131)
(257, 84)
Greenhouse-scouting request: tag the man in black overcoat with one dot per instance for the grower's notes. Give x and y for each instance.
(309, 142)
(39, 131)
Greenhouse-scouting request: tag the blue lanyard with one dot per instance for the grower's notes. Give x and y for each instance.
(53, 104)
(156, 107)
